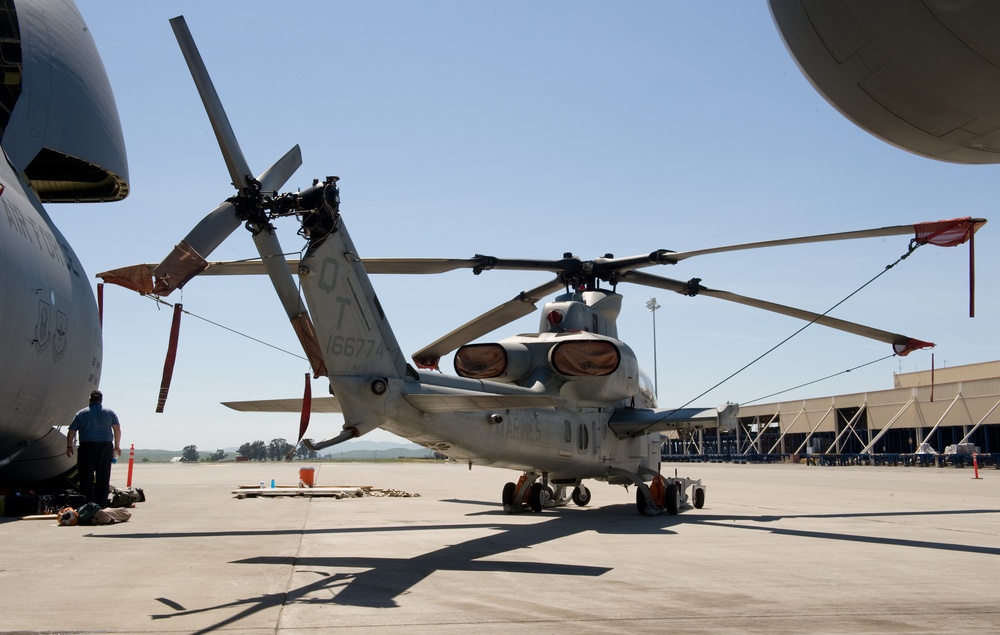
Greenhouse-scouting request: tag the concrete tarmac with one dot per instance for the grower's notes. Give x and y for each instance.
(777, 548)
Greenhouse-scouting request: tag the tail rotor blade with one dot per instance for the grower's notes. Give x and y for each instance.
(239, 169)
(284, 284)
(277, 270)
(278, 174)
(188, 258)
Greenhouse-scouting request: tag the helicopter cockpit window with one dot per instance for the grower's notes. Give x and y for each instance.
(480, 361)
(582, 358)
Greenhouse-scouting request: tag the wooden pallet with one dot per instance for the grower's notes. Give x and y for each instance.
(340, 491)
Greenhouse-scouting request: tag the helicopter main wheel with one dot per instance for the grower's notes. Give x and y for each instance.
(537, 497)
(699, 498)
(509, 489)
(640, 501)
(581, 495)
(671, 502)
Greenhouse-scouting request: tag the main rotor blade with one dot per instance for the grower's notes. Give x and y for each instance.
(394, 265)
(239, 169)
(521, 305)
(902, 344)
(419, 265)
(931, 232)
(478, 264)
(216, 227)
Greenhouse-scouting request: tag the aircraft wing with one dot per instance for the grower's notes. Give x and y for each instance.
(319, 404)
(629, 422)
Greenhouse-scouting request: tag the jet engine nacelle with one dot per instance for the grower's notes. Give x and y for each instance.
(502, 361)
(595, 368)
(590, 367)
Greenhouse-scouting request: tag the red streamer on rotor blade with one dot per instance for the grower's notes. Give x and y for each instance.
(972, 274)
(100, 304)
(951, 233)
(946, 233)
(905, 348)
(306, 409)
(168, 363)
(304, 419)
(932, 377)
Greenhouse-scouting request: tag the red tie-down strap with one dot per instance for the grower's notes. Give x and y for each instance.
(100, 304)
(951, 233)
(168, 363)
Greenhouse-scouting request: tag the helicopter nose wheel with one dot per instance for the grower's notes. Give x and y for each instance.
(538, 496)
(581, 495)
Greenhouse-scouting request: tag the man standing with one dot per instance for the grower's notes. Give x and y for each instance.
(100, 441)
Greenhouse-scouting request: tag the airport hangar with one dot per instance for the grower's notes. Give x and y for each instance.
(942, 408)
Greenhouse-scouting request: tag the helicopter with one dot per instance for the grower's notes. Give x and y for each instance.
(562, 405)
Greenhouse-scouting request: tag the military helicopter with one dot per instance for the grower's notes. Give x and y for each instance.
(562, 405)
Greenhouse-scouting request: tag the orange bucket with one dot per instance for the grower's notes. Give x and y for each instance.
(308, 476)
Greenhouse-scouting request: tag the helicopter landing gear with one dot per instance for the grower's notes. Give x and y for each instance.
(516, 496)
(538, 496)
(670, 495)
(665, 494)
(535, 492)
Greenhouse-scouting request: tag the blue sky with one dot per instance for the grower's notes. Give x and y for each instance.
(518, 129)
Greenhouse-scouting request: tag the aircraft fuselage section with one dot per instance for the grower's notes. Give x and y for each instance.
(563, 442)
(52, 347)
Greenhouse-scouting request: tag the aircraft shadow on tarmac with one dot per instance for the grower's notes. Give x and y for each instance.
(385, 578)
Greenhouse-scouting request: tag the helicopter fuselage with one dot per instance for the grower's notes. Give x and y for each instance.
(571, 440)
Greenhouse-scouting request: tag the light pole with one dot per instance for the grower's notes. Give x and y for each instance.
(653, 306)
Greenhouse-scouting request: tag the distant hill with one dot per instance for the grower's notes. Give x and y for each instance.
(384, 454)
(155, 456)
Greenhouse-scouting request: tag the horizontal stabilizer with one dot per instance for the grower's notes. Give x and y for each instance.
(319, 404)
(630, 422)
(466, 402)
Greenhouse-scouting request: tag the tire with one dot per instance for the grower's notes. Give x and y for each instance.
(537, 496)
(509, 489)
(581, 495)
(640, 501)
(671, 505)
(699, 498)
